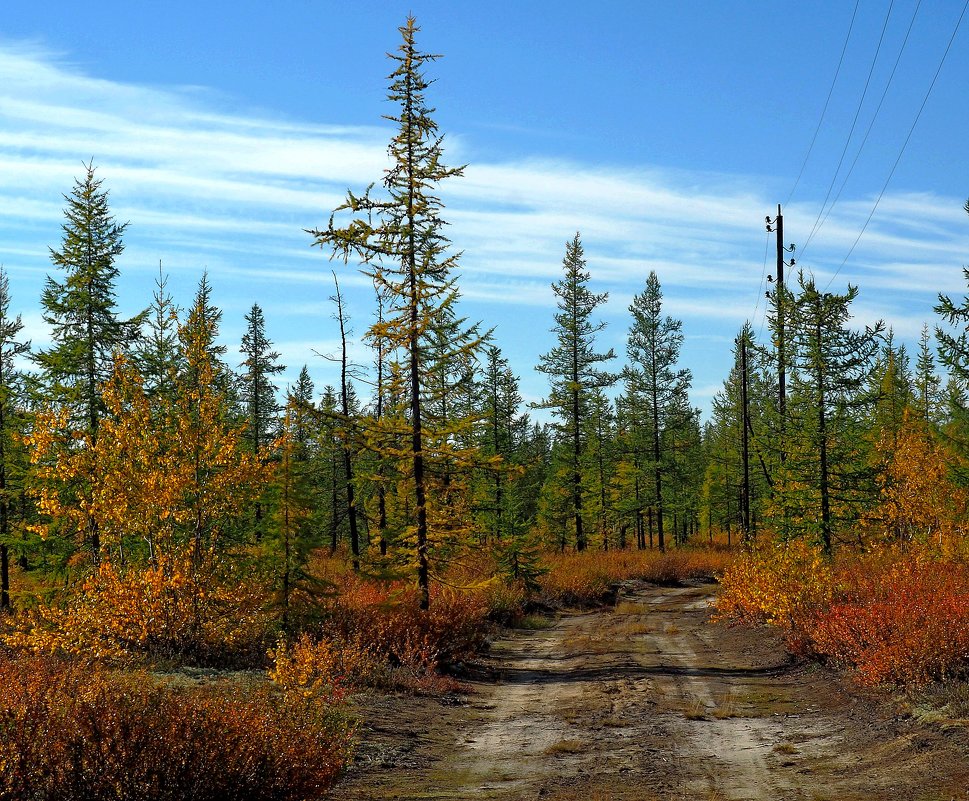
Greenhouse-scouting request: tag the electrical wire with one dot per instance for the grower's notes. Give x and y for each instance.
(904, 144)
(871, 124)
(760, 290)
(827, 100)
(851, 131)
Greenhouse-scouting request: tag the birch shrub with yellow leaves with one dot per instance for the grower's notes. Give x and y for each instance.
(153, 503)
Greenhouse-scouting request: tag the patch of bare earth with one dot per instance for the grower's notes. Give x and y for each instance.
(650, 700)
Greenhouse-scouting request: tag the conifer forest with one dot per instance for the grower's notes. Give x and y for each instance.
(412, 582)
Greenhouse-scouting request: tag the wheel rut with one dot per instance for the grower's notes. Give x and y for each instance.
(649, 700)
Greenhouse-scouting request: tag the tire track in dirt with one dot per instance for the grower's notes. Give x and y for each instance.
(651, 701)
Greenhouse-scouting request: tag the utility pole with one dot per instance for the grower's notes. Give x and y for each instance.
(781, 361)
(779, 304)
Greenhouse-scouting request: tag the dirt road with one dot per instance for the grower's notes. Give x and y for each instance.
(650, 700)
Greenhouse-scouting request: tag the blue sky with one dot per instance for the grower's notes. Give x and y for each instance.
(663, 132)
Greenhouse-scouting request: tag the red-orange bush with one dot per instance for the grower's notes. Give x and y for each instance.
(76, 733)
(901, 621)
(386, 617)
(893, 616)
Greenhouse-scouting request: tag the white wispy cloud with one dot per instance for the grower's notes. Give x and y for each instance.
(233, 193)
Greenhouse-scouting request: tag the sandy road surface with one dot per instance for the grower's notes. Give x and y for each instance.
(649, 700)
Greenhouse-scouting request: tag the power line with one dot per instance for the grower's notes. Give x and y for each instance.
(911, 130)
(827, 100)
(763, 274)
(851, 131)
(871, 124)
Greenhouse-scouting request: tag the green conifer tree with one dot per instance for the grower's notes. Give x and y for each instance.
(653, 349)
(573, 370)
(827, 478)
(12, 457)
(257, 390)
(82, 315)
(81, 309)
(157, 352)
(927, 384)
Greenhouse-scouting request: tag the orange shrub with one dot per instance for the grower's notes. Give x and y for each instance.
(903, 620)
(207, 614)
(323, 667)
(71, 732)
(386, 618)
(785, 584)
(893, 616)
(588, 577)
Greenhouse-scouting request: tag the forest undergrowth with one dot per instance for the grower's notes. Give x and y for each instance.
(894, 615)
(105, 697)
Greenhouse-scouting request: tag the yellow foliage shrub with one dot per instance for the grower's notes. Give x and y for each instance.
(784, 584)
(207, 613)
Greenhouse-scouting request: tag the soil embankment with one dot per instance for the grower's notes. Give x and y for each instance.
(650, 700)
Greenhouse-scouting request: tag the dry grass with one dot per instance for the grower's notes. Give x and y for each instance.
(695, 709)
(785, 748)
(586, 578)
(726, 706)
(630, 608)
(566, 747)
(535, 623)
(633, 628)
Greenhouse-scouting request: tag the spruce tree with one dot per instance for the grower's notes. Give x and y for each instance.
(157, 353)
(573, 369)
(927, 384)
(400, 240)
(81, 309)
(827, 478)
(653, 349)
(257, 390)
(300, 402)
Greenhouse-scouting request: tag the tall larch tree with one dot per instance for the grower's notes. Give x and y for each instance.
(346, 430)
(653, 349)
(599, 459)
(502, 431)
(400, 240)
(574, 368)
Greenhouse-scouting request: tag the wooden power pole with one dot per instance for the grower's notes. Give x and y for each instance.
(781, 327)
(781, 361)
